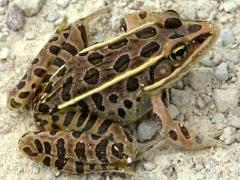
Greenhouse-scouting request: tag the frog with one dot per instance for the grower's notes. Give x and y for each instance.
(82, 97)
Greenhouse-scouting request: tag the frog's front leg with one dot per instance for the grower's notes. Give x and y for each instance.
(66, 42)
(76, 152)
(176, 133)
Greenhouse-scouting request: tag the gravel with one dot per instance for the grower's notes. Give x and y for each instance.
(4, 53)
(63, 3)
(227, 37)
(3, 2)
(31, 7)
(147, 129)
(229, 6)
(221, 72)
(173, 111)
(52, 16)
(15, 19)
(228, 135)
(30, 35)
(179, 97)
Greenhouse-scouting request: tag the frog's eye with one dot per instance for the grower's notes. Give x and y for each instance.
(179, 52)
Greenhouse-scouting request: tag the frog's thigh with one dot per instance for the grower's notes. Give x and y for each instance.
(177, 134)
(83, 122)
(76, 152)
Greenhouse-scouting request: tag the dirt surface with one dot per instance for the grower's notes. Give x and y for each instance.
(207, 98)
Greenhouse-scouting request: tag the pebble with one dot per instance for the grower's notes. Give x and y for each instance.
(3, 3)
(149, 166)
(15, 18)
(226, 99)
(52, 16)
(2, 10)
(173, 111)
(30, 35)
(179, 97)
(238, 136)
(221, 72)
(63, 3)
(200, 79)
(190, 10)
(234, 117)
(30, 8)
(228, 135)
(227, 37)
(229, 6)
(4, 53)
(147, 129)
(2, 37)
(50, 176)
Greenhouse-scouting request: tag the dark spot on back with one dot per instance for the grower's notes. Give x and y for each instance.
(66, 34)
(76, 134)
(67, 85)
(43, 108)
(82, 29)
(175, 36)
(46, 161)
(98, 100)
(117, 151)
(48, 88)
(82, 118)
(146, 33)
(113, 98)
(80, 151)
(132, 84)
(47, 147)
(15, 104)
(58, 62)
(149, 49)
(70, 48)
(35, 61)
(61, 151)
(60, 163)
(100, 151)
(95, 58)
(24, 95)
(122, 63)
(143, 14)
(83, 105)
(61, 72)
(79, 167)
(39, 72)
(21, 84)
(194, 28)
(91, 76)
(185, 132)
(128, 104)
(103, 128)
(29, 152)
(54, 49)
(173, 135)
(121, 113)
(91, 121)
(118, 44)
(68, 118)
(172, 23)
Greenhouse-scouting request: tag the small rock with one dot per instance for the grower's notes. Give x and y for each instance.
(234, 117)
(173, 111)
(229, 6)
(52, 16)
(147, 129)
(190, 10)
(227, 37)
(149, 166)
(200, 79)
(50, 176)
(30, 8)
(15, 19)
(3, 3)
(179, 97)
(30, 35)
(228, 135)
(4, 53)
(221, 72)
(63, 3)
(226, 99)
(238, 136)
(179, 84)
(218, 118)
(2, 37)
(200, 102)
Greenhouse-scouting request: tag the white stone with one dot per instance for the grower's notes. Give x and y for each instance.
(227, 37)
(147, 129)
(3, 2)
(15, 19)
(173, 111)
(221, 72)
(63, 3)
(190, 10)
(30, 35)
(229, 6)
(179, 97)
(30, 8)
(234, 118)
(226, 99)
(4, 53)
(228, 135)
(2, 37)
(52, 16)
(50, 176)
(149, 166)
(200, 79)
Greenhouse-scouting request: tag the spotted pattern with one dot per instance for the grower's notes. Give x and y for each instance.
(91, 121)
(24, 95)
(58, 62)
(82, 118)
(29, 152)
(95, 58)
(39, 72)
(185, 132)
(146, 33)
(91, 76)
(98, 100)
(113, 98)
(79, 167)
(46, 161)
(173, 135)
(21, 84)
(132, 84)
(172, 23)
(60, 163)
(128, 104)
(103, 128)
(76, 134)
(100, 151)
(68, 118)
(80, 151)
(82, 29)
(117, 151)
(54, 49)
(70, 48)
(61, 151)
(66, 89)
(122, 63)
(35, 61)
(175, 36)
(194, 28)
(121, 113)
(47, 147)
(118, 44)
(38, 145)
(149, 49)
(143, 14)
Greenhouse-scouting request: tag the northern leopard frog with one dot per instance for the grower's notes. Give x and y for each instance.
(81, 97)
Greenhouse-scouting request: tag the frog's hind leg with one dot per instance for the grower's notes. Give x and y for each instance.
(76, 152)
(66, 42)
(177, 134)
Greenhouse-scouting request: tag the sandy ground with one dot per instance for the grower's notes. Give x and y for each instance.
(211, 107)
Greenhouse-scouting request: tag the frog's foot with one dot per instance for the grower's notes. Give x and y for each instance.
(76, 152)
(176, 133)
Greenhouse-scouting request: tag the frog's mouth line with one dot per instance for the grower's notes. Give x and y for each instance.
(207, 39)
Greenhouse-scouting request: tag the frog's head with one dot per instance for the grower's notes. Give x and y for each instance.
(186, 41)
